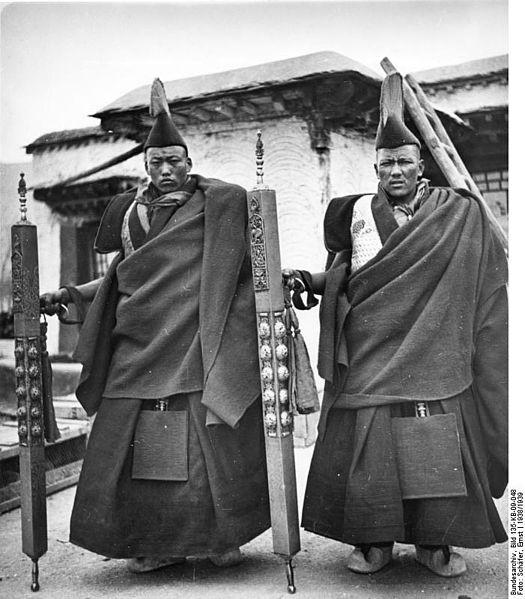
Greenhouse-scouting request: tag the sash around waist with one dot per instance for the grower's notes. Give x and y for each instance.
(355, 401)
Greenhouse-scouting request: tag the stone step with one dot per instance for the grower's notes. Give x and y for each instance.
(56, 480)
(68, 407)
(63, 459)
(65, 380)
(69, 429)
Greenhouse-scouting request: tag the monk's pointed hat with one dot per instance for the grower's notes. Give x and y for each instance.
(164, 132)
(392, 131)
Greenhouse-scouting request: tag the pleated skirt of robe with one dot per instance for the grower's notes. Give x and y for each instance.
(364, 504)
(224, 503)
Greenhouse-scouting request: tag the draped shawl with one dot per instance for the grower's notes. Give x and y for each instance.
(226, 306)
(404, 326)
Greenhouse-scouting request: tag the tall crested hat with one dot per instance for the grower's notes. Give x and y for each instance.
(392, 131)
(163, 133)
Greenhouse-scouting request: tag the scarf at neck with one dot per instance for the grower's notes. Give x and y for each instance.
(408, 208)
(403, 212)
(149, 196)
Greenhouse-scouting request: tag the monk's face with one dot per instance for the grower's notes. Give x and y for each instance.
(398, 171)
(167, 167)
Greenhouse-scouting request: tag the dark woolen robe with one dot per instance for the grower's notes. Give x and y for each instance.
(224, 503)
(426, 319)
(156, 339)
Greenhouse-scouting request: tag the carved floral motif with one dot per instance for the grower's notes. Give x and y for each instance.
(258, 246)
(24, 281)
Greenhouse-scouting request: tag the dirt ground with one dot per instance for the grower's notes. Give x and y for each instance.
(69, 572)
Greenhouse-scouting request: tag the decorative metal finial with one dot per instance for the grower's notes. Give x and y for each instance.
(22, 189)
(421, 409)
(259, 160)
(35, 585)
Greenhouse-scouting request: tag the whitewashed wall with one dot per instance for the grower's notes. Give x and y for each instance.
(465, 99)
(352, 164)
(48, 227)
(56, 163)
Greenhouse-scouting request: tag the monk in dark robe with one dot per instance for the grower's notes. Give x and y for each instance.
(169, 344)
(413, 317)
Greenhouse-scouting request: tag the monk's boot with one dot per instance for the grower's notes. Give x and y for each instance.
(232, 557)
(441, 560)
(147, 564)
(367, 559)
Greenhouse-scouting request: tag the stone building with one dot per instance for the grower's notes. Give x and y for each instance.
(318, 115)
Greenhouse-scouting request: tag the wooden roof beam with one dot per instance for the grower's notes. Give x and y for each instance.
(278, 103)
(248, 107)
(180, 118)
(371, 115)
(146, 120)
(200, 113)
(224, 109)
(346, 90)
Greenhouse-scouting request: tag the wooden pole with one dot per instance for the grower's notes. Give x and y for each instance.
(442, 133)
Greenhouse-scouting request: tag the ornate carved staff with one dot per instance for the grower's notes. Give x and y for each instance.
(274, 368)
(29, 389)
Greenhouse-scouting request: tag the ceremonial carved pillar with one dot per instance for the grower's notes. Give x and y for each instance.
(29, 391)
(274, 368)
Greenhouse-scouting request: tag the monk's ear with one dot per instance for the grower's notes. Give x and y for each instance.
(146, 163)
(420, 168)
(375, 168)
(189, 164)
